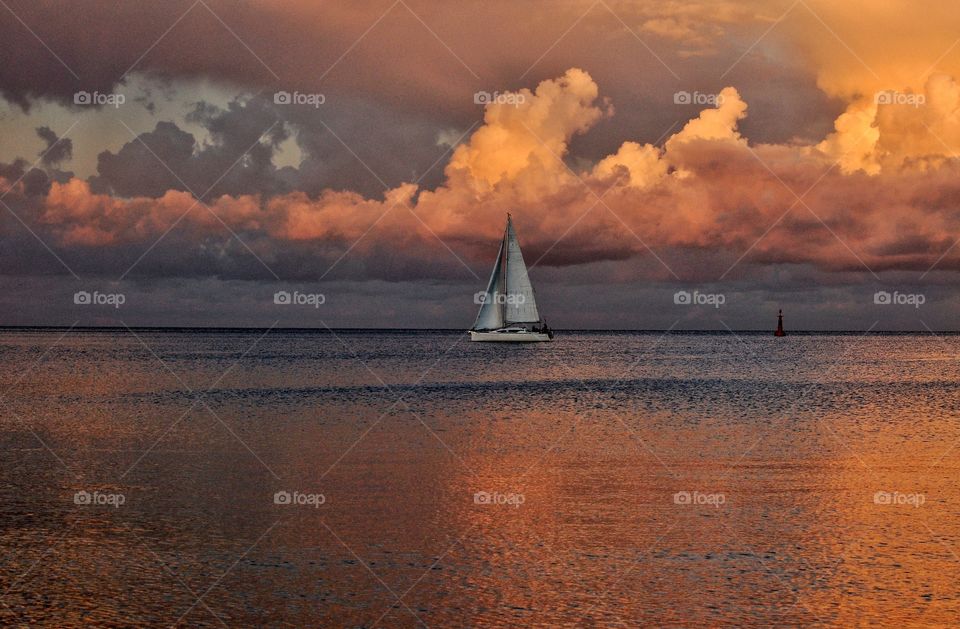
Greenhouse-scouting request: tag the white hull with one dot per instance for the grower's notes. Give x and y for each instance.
(509, 337)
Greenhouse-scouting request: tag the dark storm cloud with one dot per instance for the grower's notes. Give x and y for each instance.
(338, 142)
(35, 182)
(243, 140)
(57, 150)
(429, 68)
(137, 169)
(342, 139)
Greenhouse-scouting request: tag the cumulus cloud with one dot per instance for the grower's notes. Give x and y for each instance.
(715, 124)
(642, 165)
(892, 130)
(531, 134)
(705, 192)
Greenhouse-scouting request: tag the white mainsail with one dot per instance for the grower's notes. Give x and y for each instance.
(521, 305)
(509, 298)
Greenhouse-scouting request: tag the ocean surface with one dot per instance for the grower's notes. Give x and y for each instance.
(400, 479)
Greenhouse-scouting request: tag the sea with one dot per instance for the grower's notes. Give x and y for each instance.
(358, 478)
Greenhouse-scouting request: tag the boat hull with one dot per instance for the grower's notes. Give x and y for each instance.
(509, 337)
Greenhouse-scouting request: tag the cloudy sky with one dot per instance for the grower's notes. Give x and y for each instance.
(197, 156)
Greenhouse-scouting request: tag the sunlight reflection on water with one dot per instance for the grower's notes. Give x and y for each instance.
(619, 445)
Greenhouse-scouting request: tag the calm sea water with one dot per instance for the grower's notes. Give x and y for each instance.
(376, 479)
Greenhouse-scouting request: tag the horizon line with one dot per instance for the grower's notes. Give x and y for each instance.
(327, 329)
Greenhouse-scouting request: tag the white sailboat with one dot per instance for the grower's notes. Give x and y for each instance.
(508, 308)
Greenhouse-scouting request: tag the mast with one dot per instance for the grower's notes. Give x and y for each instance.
(503, 273)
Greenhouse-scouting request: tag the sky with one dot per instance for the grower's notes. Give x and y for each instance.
(668, 165)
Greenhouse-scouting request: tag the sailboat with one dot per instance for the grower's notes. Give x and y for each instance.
(508, 308)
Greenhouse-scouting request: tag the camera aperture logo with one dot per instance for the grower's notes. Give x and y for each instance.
(96, 298)
(96, 98)
(296, 298)
(896, 298)
(497, 498)
(510, 299)
(296, 98)
(98, 499)
(499, 98)
(696, 298)
(299, 498)
(699, 498)
(896, 498)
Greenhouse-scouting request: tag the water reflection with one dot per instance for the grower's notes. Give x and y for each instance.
(603, 480)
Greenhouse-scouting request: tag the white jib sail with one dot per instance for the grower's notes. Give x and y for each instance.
(490, 316)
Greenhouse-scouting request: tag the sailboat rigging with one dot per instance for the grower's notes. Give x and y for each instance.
(508, 308)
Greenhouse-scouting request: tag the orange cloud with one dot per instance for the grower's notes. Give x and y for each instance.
(529, 130)
(705, 189)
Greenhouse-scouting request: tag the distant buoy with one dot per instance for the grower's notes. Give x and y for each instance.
(780, 331)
